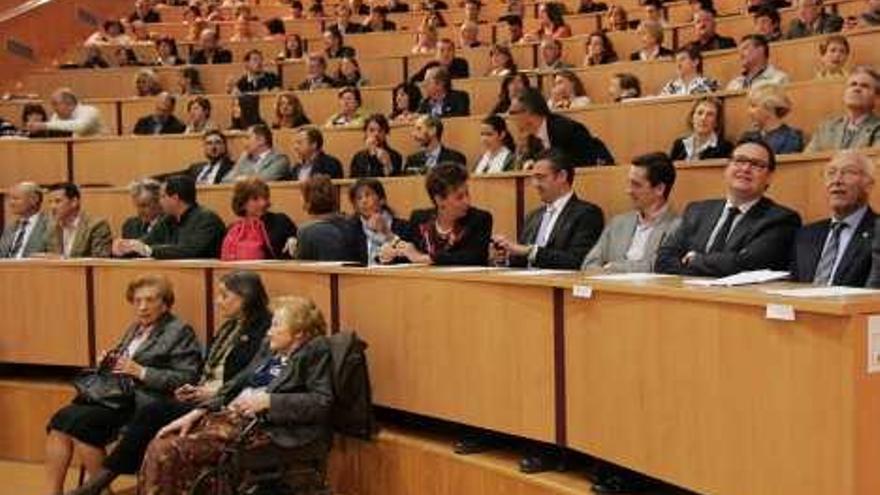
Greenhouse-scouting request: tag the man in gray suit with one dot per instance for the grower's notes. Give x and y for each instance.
(859, 127)
(28, 233)
(630, 242)
(260, 158)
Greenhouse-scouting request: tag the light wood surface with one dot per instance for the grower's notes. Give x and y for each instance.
(43, 162)
(26, 405)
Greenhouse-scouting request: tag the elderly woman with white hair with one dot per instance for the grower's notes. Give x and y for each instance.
(768, 106)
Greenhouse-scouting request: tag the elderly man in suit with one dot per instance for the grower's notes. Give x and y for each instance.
(837, 250)
(260, 158)
(217, 162)
(744, 231)
(562, 230)
(630, 242)
(73, 233)
(440, 99)
(859, 127)
(428, 133)
(145, 198)
(162, 120)
(309, 147)
(27, 234)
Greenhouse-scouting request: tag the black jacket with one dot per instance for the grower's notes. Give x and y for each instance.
(244, 349)
(323, 164)
(458, 69)
(264, 82)
(363, 164)
(199, 234)
(219, 56)
(716, 42)
(573, 139)
(854, 266)
(134, 228)
(472, 247)
(279, 228)
(415, 163)
(147, 126)
(455, 104)
(722, 150)
(576, 230)
(761, 239)
(195, 170)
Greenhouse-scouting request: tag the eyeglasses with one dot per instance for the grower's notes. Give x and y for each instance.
(746, 162)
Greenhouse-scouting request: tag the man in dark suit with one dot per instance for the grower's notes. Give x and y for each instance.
(811, 20)
(530, 113)
(217, 162)
(457, 67)
(145, 198)
(837, 250)
(186, 231)
(745, 231)
(560, 232)
(428, 132)
(316, 76)
(309, 146)
(705, 36)
(27, 234)
(440, 99)
(210, 51)
(162, 121)
(256, 79)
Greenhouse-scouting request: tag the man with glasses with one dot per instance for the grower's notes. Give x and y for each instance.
(745, 231)
(837, 250)
(217, 161)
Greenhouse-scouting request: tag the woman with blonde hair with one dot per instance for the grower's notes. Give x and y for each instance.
(768, 106)
(146, 83)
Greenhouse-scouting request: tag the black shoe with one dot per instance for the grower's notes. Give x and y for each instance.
(538, 462)
(96, 484)
(472, 444)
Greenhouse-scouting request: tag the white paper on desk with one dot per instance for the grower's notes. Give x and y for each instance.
(377, 266)
(457, 269)
(741, 278)
(325, 263)
(629, 277)
(536, 273)
(822, 291)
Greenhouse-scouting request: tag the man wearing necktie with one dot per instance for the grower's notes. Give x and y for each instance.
(217, 161)
(27, 234)
(745, 231)
(837, 250)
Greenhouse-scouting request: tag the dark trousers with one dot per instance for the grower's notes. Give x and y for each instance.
(129, 452)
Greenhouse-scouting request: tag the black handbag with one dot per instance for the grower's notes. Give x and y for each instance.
(103, 387)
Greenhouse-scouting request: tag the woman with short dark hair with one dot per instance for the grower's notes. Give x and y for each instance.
(373, 223)
(706, 140)
(258, 233)
(377, 159)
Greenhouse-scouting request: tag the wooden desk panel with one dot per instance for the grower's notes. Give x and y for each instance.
(45, 314)
(427, 358)
(114, 315)
(40, 161)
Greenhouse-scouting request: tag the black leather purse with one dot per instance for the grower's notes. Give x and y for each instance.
(103, 387)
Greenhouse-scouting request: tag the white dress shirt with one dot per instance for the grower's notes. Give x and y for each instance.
(493, 164)
(85, 120)
(68, 234)
(644, 228)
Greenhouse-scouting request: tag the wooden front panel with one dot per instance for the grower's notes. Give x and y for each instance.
(45, 315)
(435, 349)
(25, 409)
(712, 397)
(113, 314)
(42, 161)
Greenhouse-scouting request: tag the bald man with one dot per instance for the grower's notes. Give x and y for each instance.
(27, 234)
(162, 120)
(70, 116)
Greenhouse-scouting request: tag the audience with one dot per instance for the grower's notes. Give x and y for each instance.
(754, 56)
(629, 243)
(440, 100)
(350, 113)
(377, 159)
(652, 10)
(112, 33)
(529, 112)
(550, 52)
(243, 30)
(257, 233)
(70, 116)
(144, 12)
(768, 105)
(166, 48)
(294, 48)
(146, 83)
(624, 86)
(190, 82)
(334, 45)
(589, 7)
(289, 113)
(309, 147)
(378, 20)
(94, 59)
(837, 250)
(469, 35)
(209, 51)
(599, 50)
(456, 67)
(515, 32)
(32, 112)
(559, 233)
(157, 353)
(255, 78)
(428, 133)
(501, 61)
(451, 233)
(327, 236)
(811, 19)
(705, 37)
(373, 223)
(833, 55)
(349, 73)
(616, 19)
(552, 24)
(690, 80)
(406, 99)
(497, 145)
(767, 23)
(511, 85)
(275, 29)
(217, 162)
(162, 120)
(427, 38)
(316, 77)
(25, 233)
(745, 231)
(567, 92)
(651, 37)
(145, 199)
(198, 110)
(706, 140)
(186, 230)
(343, 22)
(71, 232)
(859, 127)
(260, 158)
(871, 16)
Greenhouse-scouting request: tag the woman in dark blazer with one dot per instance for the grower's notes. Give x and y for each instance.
(706, 141)
(289, 382)
(374, 223)
(451, 233)
(158, 353)
(258, 233)
(327, 236)
(377, 159)
(242, 304)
